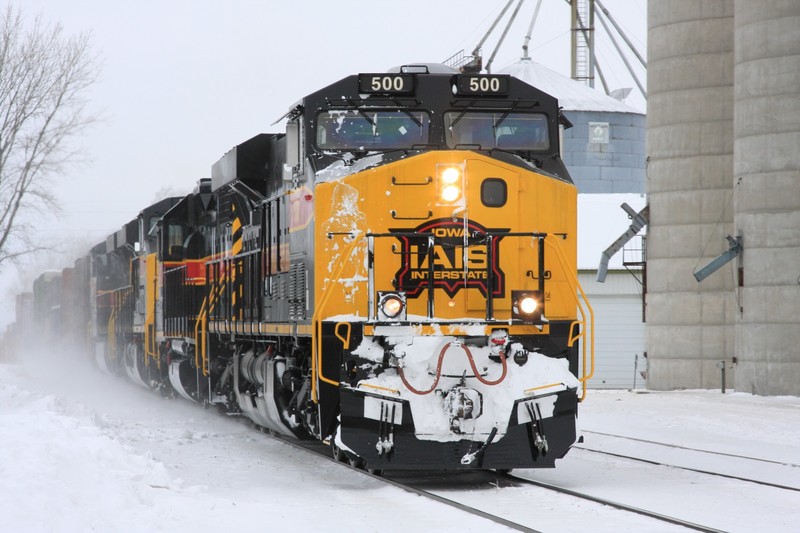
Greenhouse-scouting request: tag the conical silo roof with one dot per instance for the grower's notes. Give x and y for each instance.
(571, 95)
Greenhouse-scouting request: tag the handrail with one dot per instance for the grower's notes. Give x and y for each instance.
(150, 321)
(574, 291)
(541, 387)
(486, 239)
(111, 327)
(201, 354)
(378, 387)
(119, 296)
(345, 339)
(572, 280)
(199, 350)
(316, 343)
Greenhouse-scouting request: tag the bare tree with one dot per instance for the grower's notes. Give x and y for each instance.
(44, 77)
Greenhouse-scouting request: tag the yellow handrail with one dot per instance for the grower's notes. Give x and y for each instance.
(541, 387)
(111, 327)
(150, 322)
(201, 353)
(345, 339)
(378, 387)
(574, 288)
(198, 340)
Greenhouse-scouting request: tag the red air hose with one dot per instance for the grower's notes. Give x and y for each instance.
(439, 371)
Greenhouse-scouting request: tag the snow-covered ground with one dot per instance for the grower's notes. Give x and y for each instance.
(81, 451)
(739, 425)
(98, 454)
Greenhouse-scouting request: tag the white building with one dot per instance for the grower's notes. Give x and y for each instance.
(620, 360)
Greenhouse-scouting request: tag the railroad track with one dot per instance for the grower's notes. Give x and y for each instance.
(410, 487)
(738, 457)
(450, 488)
(408, 482)
(688, 448)
(414, 482)
(324, 450)
(424, 484)
(616, 505)
(504, 479)
(431, 485)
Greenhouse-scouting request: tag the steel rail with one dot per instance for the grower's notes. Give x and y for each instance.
(679, 447)
(320, 449)
(451, 503)
(690, 469)
(615, 505)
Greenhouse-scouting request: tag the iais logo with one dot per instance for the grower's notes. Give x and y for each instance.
(457, 262)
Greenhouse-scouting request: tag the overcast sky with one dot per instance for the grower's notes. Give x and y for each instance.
(183, 81)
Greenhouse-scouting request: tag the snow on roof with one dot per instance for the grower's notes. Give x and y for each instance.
(572, 95)
(601, 221)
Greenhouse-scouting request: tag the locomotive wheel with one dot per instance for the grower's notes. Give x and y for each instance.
(357, 463)
(338, 455)
(361, 464)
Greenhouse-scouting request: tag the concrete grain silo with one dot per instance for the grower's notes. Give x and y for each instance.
(723, 138)
(767, 185)
(690, 325)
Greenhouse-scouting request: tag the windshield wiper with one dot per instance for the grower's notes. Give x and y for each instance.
(407, 112)
(362, 113)
(505, 116)
(461, 115)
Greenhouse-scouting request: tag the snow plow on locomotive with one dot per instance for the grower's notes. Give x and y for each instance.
(394, 275)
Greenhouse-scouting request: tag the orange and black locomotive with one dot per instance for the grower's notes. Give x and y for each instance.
(394, 274)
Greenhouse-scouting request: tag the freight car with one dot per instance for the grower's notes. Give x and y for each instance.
(395, 275)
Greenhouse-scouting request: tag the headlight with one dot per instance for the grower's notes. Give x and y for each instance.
(450, 183)
(527, 306)
(451, 175)
(450, 193)
(391, 305)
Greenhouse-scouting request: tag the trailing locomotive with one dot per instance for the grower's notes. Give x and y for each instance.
(394, 275)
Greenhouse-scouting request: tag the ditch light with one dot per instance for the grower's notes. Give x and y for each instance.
(392, 305)
(527, 306)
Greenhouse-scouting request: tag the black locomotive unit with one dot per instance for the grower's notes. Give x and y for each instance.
(395, 275)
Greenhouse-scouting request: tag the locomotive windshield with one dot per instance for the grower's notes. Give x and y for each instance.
(371, 130)
(500, 129)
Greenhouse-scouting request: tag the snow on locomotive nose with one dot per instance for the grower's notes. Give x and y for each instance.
(457, 390)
